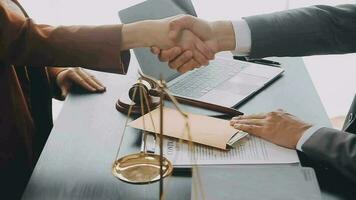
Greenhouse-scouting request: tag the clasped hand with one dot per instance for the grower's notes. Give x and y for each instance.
(196, 42)
(184, 41)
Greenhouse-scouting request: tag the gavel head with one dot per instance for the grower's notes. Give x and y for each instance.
(142, 98)
(141, 89)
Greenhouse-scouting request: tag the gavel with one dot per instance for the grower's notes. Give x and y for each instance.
(147, 89)
(143, 87)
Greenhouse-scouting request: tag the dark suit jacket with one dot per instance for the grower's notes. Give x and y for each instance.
(310, 31)
(26, 84)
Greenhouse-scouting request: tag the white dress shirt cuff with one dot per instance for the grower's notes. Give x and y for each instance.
(242, 38)
(306, 135)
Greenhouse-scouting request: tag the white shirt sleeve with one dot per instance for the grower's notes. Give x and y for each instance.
(242, 38)
(306, 135)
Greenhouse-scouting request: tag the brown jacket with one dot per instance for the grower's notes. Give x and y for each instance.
(26, 84)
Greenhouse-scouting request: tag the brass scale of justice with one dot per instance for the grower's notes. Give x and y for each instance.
(144, 167)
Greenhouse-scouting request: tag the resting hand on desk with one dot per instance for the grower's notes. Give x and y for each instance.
(77, 76)
(218, 36)
(278, 127)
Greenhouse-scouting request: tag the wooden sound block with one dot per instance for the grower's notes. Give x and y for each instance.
(124, 103)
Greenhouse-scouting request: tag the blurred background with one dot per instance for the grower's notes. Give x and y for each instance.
(333, 76)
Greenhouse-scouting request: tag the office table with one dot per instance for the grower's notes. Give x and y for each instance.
(76, 161)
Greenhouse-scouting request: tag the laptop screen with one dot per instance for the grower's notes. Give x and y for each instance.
(155, 9)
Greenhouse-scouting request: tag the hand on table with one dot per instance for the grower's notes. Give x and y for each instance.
(217, 36)
(278, 127)
(77, 76)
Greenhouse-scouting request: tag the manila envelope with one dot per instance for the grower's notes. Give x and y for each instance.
(203, 129)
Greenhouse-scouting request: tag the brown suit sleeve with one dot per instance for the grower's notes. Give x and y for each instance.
(22, 42)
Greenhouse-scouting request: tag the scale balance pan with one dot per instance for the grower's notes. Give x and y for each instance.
(141, 168)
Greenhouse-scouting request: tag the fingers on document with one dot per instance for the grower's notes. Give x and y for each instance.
(252, 124)
(257, 122)
(253, 116)
(252, 129)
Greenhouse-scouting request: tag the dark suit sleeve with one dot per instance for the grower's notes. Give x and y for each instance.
(305, 31)
(23, 42)
(333, 147)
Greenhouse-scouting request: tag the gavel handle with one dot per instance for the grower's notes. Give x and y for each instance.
(201, 104)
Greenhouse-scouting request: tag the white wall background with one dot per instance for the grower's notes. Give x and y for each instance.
(333, 76)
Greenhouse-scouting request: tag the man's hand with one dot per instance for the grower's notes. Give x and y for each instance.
(78, 76)
(277, 127)
(217, 36)
(157, 33)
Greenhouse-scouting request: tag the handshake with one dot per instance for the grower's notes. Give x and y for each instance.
(184, 41)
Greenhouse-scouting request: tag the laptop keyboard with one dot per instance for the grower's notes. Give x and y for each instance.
(198, 82)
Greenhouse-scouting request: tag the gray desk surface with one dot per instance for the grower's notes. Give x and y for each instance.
(76, 161)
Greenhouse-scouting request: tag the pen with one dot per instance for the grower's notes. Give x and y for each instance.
(264, 61)
(257, 61)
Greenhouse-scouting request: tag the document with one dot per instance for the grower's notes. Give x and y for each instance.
(255, 182)
(250, 150)
(200, 129)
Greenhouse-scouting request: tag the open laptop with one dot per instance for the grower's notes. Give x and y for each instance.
(224, 82)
